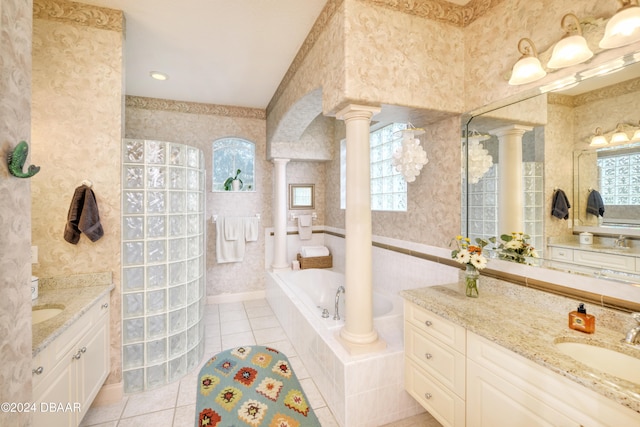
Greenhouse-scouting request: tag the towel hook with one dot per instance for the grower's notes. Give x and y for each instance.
(87, 182)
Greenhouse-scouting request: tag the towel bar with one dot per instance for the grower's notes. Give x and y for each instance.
(294, 216)
(214, 218)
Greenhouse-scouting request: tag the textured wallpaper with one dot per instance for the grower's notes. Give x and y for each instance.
(77, 122)
(199, 127)
(15, 215)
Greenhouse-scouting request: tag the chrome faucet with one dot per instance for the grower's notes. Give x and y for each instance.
(620, 242)
(633, 336)
(336, 315)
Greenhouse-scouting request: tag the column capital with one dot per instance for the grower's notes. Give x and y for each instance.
(280, 160)
(514, 129)
(354, 111)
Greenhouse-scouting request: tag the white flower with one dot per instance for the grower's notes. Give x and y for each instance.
(478, 261)
(513, 244)
(463, 257)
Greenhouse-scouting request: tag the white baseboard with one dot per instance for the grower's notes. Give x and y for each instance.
(109, 394)
(239, 297)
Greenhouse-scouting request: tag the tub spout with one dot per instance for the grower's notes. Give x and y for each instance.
(336, 315)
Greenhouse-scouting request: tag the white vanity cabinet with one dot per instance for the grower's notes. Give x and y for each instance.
(69, 372)
(499, 387)
(435, 364)
(592, 258)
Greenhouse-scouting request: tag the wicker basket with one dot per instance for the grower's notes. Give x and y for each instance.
(316, 262)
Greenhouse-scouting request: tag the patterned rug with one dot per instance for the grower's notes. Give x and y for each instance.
(253, 386)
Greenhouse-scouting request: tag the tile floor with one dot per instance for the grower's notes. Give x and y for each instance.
(227, 325)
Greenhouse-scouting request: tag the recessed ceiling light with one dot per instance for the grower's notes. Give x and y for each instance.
(158, 75)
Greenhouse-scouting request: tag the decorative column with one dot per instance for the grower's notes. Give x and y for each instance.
(358, 334)
(280, 215)
(510, 191)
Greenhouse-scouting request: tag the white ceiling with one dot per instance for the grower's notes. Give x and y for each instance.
(226, 52)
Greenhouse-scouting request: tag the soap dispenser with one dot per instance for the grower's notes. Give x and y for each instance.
(581, 321)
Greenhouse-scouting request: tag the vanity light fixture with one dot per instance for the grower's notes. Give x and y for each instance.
(624, 27)
(158, 75)
(598, 139)
(572, 49)
(528, 68)
(619, 136)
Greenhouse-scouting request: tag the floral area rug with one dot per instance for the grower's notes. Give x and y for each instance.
(251, 386)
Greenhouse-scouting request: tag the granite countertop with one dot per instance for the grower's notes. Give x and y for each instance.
(529, 322)
(76, 301)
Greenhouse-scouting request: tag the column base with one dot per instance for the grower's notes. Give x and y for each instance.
(276, 268)
(360, 344)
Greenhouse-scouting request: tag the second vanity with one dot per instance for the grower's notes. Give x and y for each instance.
(497, 361)
(70, 351)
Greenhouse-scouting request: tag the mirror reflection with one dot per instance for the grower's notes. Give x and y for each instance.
(301, 196)
(519, 155)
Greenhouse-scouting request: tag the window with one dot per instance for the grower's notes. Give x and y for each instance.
(229, 156)
(620, 179)
(388, 187)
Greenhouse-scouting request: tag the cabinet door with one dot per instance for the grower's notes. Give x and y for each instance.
(494, 402)
(93, 364)
(54, 393)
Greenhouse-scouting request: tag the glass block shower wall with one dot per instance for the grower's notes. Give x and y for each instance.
(163, 272)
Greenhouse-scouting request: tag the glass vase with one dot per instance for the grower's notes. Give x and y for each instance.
(471, 280)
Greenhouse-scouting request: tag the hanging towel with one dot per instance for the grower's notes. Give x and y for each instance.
(233, 228)
(251, 229)
(83, 216)
(595, 205)
(304, 226)
(560, 205)
(228, 250)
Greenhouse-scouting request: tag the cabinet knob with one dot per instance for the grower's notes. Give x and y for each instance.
(83, 349)
(37, 371)
(78, 355)
(105, 305)
(427, 395)
(428, 355)
(428, 322)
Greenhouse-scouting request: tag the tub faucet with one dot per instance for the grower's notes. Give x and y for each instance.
(633, 336)
(336, 315)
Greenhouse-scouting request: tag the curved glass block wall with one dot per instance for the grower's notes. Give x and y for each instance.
(163, 262)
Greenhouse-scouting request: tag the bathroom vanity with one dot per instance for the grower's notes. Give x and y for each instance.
(567, 255)
(498, 360)
(70, 353)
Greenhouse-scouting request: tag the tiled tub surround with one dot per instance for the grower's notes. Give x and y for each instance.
(530, 322)
(76, 293)
(362, 390)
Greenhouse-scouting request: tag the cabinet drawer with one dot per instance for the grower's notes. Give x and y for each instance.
(605, 260)
(442, 403)
(561, 254)
(442, 362)
(447, 332)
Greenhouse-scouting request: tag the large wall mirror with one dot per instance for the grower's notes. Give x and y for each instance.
(520, 153)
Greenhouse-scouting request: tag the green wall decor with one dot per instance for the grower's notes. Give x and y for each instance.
(16, 161)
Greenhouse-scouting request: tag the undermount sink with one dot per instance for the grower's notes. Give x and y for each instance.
(40, 314)
(603, 359)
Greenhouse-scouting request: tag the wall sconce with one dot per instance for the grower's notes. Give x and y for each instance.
(528, 68)
(624, 27)
(409, 158)
(619, 135)
(598, 139)
(571, 49)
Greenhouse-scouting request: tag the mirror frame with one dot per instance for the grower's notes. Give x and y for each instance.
(292, 196)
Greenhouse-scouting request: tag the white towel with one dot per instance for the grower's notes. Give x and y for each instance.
(233, 228)
(251, 229)
(314, 251)
(304, 227)
(227, 250)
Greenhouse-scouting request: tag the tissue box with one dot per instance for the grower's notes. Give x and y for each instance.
(34, 287)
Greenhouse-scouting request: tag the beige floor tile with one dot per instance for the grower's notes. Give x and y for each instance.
(156, 419)
(151, 401)
(185, 416)
(101, 414)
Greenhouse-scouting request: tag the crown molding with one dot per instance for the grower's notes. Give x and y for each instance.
(79, 14)
(194, 108)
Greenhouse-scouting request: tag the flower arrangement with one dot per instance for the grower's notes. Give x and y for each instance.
(466, 253)
(515, 247)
